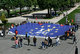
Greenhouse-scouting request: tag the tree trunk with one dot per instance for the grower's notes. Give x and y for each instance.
(48, 15)
(14, 10)
(63, 8)
(20, 10)
(50, 12)
(35, 7)
(29, 9)
(8, 11)
(55, 12)
(4, 30)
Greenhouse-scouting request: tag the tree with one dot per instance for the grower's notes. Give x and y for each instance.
(6, 5)
(45, 4)
(34, 2)
(56, 5)
(20, 4)
(28, 3)
(4, 21)
(72, 2)
(3, 18)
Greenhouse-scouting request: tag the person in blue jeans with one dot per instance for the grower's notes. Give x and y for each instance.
(57, 41)
(20, 40)
(16, 43)
(42, 44)
(46, 43)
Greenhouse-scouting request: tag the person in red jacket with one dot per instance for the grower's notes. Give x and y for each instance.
(16, 32)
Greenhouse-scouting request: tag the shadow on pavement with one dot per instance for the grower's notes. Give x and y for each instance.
(70, 43)
(13, 46)
(28, 49)
(29, 44)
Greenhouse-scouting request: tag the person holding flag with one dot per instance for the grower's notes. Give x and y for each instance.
(57, 41)
(26, 36)
(36, 18)
(12, 25)
(72, 20)
(28, 39)
(16, 32)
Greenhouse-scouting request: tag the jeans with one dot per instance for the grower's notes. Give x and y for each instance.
(34, 44)
(57, 43)
(20, 44)
(45, 45)
(16, 46)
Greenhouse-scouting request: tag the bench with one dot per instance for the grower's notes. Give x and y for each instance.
(40, 15)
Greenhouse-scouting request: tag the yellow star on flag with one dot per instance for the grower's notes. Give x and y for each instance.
(48, 29)
(30, 32)
(44, 34)
(49, 25)
(55, 31)
(36, 28)
(54, 27)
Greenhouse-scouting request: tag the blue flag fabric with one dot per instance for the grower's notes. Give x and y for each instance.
(46, 29)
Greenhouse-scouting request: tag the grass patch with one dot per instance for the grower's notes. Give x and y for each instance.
(70, 16)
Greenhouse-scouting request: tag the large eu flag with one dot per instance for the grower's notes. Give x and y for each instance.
(46, 29)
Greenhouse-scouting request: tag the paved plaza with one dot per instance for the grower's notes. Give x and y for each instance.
(66, 46)
(7, 45)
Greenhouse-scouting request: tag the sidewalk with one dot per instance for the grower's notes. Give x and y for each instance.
(56, 19)
(19, 19)
(66, 47)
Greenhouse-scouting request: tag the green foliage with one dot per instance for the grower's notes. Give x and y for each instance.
(34, 2)
(28, 3)
(43, 4)
(3, 18)
(70, 16)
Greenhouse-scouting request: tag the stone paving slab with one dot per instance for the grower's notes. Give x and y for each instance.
(66, 47)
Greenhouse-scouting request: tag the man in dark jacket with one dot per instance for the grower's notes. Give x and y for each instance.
(34, 40)
(50, 41)
(20, 40)
(74, 40)
(28, 38)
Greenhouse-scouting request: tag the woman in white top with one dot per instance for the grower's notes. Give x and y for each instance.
(57, 41)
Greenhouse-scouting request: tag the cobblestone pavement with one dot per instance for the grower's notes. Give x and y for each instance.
(66, 46)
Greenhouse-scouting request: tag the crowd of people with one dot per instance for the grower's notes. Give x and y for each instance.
(19, 41)
(47, 42)
(71, 33)
(44, 44)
